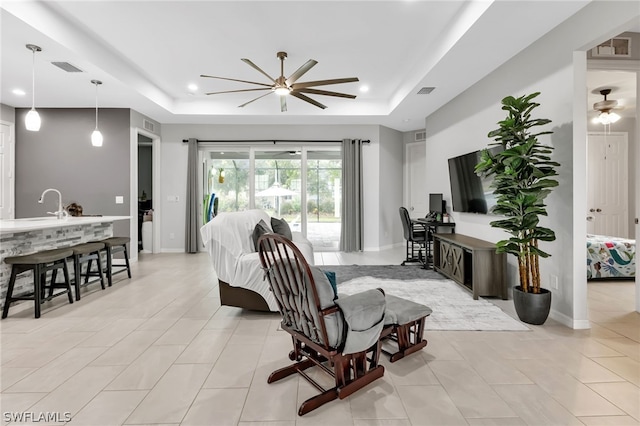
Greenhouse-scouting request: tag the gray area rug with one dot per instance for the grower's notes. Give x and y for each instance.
(453, 306)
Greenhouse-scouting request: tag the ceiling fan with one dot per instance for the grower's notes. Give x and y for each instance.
(287, 86)
(606, 107)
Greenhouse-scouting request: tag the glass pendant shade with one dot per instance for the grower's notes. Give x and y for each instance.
(96, 138)
(32, 120)
(608, 117)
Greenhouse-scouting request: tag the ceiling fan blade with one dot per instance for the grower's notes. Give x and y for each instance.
(254, 99)
(233, 79)
(325, 93)
(237, 91)
(283, 103)
(257, 68)
(324, 82)
(307, 99)
(300, 71)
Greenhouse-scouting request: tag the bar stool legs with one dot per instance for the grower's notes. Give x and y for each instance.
(87, 253)
(40, 263)
(114, 245)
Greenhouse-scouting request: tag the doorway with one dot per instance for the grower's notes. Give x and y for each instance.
(300, 183)
(145, 194)
(607, 184)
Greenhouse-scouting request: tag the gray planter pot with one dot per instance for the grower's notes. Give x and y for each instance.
(532, 308)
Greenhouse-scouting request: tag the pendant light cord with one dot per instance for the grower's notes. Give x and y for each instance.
(96, 106)
(33, 79)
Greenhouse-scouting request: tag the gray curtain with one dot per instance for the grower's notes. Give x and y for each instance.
(352, 216)
(191, 230)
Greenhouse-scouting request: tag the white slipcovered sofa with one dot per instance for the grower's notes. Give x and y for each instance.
(228, 239)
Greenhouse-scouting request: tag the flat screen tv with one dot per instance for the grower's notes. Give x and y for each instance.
(469, 192)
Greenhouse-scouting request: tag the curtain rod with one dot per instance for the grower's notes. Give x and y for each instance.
(274, 141)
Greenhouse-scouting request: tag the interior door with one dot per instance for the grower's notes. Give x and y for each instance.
(416, 163)
(607, 185)
(7, 161)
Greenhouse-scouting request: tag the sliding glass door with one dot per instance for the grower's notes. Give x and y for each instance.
(298, 183)
(324, 195)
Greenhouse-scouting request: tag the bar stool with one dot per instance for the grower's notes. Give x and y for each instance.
(40, 263)
(87, 253)
(115, 245)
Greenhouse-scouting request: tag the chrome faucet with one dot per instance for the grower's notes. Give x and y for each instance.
(61, 213)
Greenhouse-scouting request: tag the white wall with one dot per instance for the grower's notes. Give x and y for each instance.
(391, 187)
(462, 125)
(174, 164)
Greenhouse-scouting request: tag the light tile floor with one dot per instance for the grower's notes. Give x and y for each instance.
(159, 349)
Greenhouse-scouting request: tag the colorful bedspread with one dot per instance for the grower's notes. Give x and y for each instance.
(609, 257)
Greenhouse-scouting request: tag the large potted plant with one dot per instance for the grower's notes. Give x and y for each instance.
(522, 178)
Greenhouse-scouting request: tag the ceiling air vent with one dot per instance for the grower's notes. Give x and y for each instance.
(420, 136)
(425, 90)
(148, 125)
(66, 66)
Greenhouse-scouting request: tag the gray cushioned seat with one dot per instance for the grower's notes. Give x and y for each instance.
(45, 256)
(87, 248)
(116, 241)
(403, 311)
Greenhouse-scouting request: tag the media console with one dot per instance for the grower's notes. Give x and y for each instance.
(472, 263)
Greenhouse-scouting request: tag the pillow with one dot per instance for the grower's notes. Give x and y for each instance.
(280, 226)
(331, 276)
(260, 228)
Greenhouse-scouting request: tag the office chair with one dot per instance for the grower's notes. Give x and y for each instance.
(416, 236)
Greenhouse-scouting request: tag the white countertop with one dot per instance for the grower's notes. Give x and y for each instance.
(35, 223)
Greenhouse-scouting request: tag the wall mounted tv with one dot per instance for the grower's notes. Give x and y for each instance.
(469, 192)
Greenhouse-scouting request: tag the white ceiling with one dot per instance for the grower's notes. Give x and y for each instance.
(148, 52)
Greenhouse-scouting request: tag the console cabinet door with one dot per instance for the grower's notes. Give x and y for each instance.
(456, 263)
(444, 265)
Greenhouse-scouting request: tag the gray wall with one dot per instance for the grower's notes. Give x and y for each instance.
(7, 113)
(61, 156)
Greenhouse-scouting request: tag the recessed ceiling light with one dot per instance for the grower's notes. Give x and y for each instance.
(364, 88)
(406, 120)
(192, 87)
(19, 92)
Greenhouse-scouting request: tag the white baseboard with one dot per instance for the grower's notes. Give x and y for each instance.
(382, 248)
(172, 250)
(569, 322)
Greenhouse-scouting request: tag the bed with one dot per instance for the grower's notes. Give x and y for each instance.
(610, 257)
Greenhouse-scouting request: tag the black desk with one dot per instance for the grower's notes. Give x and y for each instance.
(432, 228)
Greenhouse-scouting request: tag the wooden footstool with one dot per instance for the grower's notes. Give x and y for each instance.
(404, 324)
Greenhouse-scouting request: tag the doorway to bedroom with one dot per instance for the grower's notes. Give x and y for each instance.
(300, 183)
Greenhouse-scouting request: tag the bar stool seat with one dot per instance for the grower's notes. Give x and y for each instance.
(40, 263)
(87, 253)
(114, 245)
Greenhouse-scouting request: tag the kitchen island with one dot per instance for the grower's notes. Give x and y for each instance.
(24, 236)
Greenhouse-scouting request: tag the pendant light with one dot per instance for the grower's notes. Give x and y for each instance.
(32, 120)
(96, 136)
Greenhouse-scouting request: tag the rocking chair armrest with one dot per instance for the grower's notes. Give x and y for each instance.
(363, 314)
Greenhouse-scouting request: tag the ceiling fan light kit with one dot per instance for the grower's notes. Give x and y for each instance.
(283, 86)
(606, 116)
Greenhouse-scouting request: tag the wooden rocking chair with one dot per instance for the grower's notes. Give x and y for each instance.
(340, 336)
